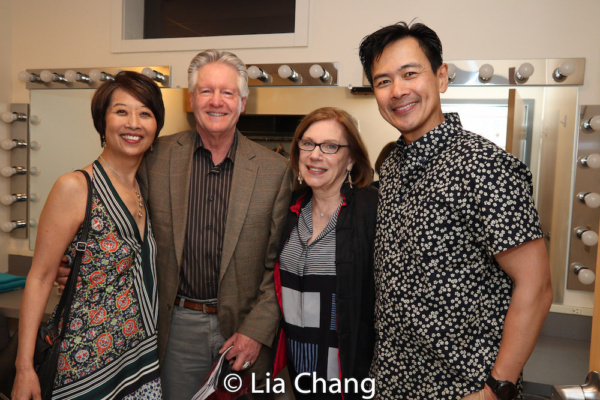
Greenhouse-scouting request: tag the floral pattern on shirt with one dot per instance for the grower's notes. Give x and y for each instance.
(448, 203)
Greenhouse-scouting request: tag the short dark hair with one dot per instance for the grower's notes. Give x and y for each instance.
(372, 46)
(139, 86)
(362, 174)
(385, 152)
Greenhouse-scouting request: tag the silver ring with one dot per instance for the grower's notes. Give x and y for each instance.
(246, 365)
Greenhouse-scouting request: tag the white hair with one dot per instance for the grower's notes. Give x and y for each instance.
(214, 56)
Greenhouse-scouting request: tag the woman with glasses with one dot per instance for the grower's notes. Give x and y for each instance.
(324, 273)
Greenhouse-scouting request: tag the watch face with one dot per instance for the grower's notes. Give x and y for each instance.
(506, 391)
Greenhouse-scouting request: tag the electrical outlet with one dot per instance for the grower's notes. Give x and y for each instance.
(576, 310)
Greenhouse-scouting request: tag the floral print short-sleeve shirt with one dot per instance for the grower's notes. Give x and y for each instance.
(448, 203)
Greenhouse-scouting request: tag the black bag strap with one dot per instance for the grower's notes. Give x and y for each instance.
(63, 309)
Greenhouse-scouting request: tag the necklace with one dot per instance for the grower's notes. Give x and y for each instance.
(136, 191)
(322, 214)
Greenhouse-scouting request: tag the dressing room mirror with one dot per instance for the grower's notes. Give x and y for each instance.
(537, 124)
(68, 140)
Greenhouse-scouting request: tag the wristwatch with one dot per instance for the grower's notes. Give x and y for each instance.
(504, 390)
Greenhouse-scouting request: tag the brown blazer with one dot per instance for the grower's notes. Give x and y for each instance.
(260, 194)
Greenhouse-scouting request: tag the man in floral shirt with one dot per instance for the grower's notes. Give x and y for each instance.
(461, 269)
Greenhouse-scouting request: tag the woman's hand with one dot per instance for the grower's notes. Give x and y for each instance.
(26, 386)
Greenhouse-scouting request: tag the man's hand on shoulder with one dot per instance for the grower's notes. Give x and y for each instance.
(63, 273)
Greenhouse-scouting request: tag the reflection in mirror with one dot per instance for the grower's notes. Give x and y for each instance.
(505, 116)
(537, 125)
(68, 140)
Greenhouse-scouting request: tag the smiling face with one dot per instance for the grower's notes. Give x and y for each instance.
(408, 90)
(325, 172)
(216, 100)
(130, 125)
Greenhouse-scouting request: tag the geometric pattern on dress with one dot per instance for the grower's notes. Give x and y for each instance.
(308, 284)
(304, 355)
(333, 363)
(301, 309)
(333, 325)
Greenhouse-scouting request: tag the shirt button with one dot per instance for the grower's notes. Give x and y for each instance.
(209, 226)
(208, 255)
(211, 198)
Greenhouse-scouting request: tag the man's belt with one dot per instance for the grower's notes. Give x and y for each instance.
(192, 305)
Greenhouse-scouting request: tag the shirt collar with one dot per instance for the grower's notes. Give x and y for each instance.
(230, 154)
(430, 144)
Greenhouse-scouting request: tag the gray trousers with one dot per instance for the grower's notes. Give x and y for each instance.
(194, 342)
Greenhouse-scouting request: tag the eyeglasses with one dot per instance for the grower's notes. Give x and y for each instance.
(327, 148)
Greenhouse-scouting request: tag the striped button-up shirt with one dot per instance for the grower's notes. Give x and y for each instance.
(207, 212)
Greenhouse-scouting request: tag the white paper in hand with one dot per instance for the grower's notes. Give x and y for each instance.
(209, 386)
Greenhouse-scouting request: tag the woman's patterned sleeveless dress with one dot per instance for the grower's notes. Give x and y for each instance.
(110, 347)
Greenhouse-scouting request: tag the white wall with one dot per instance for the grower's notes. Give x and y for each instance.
(67, 34)
(6, 76)
(63, 33)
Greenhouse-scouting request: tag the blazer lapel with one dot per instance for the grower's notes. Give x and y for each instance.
(180, 173)
(244, 176)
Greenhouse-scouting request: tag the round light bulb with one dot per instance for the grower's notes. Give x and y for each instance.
(24, 76)
(149, 72)
(525, 70)
(9, 117)
(71, 76)
(34, 119)
(589, 238)
(451, 72)
(46, 76)
(592, 200)
(8, 199)
(285, 71)
(8, 172)
(593, 123)
(35, 145)
(591, 161)
(33, 222)
(316, 71)
(8, 144)
(36, 171)
(8, 226)
(586, 276)
(254, 72)
(566, 68)
(95, 75)
(486, 71)
(34, 197)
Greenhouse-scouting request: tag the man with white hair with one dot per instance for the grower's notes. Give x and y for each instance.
(217, 202)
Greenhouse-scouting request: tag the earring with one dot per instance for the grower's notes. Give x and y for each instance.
(299, 178)
(151, 148)
(349, 179)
